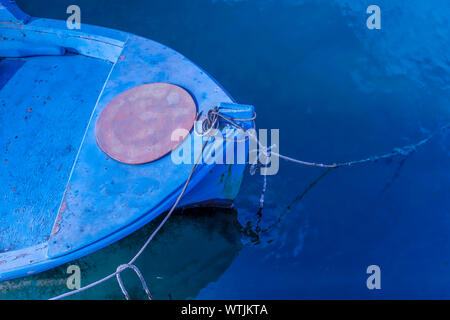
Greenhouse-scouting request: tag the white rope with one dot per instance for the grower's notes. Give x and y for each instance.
(131, 262)
(261, 199)
(402, 151)
(210, 123)
(139, 274)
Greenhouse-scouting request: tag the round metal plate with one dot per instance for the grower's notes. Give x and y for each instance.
(136, 126)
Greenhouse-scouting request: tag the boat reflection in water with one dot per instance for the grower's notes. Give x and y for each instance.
(193, 249)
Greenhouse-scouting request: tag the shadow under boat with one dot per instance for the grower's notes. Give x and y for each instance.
(194, 248)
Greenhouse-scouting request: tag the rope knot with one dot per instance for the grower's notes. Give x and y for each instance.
(209, 123)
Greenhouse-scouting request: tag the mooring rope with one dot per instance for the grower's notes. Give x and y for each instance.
(403, 151)
(210, 123)
(139, 274)
(130, 264)
(261, 198)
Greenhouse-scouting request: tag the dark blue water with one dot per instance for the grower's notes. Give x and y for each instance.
(337, 91)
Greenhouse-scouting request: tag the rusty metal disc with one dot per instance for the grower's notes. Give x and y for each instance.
(136, 126)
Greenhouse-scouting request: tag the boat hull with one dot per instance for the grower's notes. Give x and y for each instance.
(90, 200)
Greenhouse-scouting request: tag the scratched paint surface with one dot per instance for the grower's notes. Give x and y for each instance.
(41, 129)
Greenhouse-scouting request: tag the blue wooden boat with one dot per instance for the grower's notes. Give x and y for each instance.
(63, 196)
